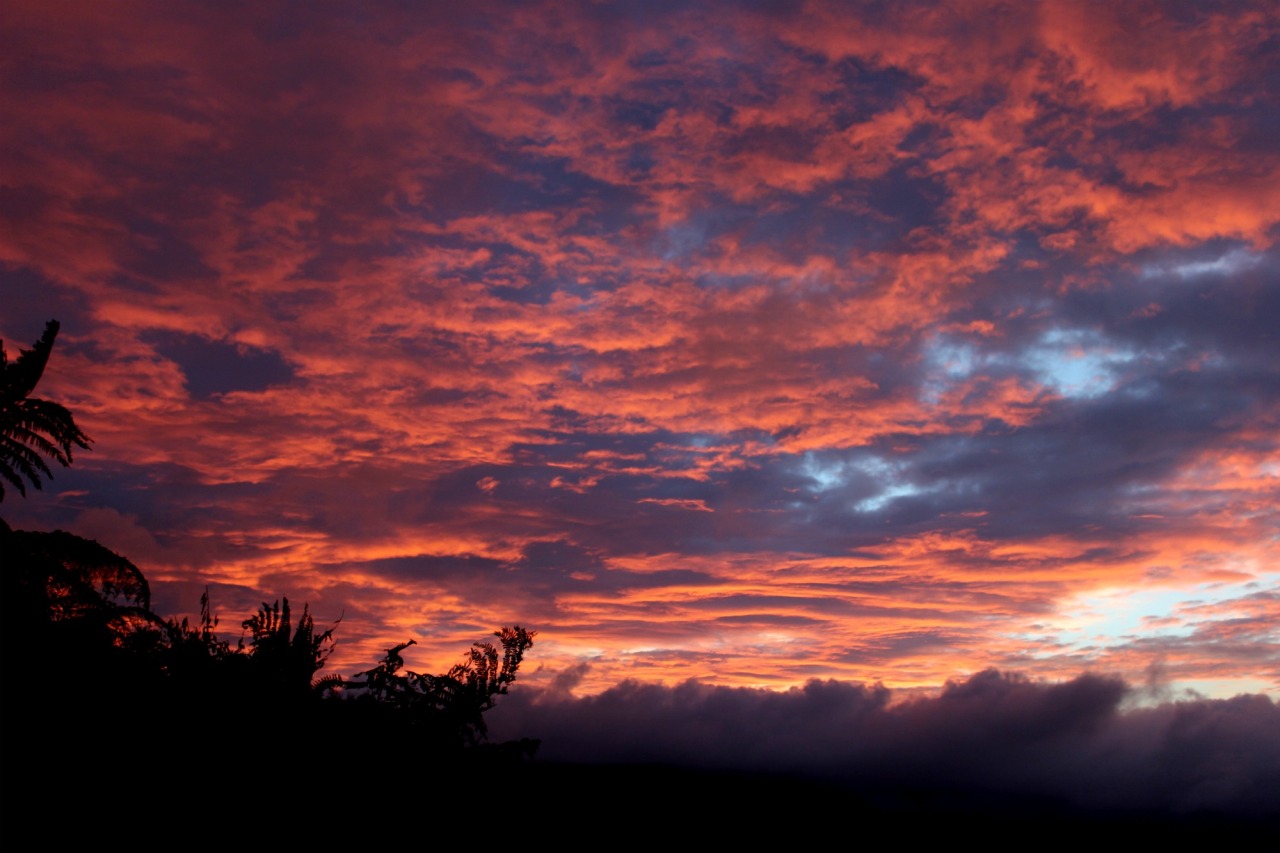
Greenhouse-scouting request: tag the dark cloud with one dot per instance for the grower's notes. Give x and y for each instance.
(213, 367)
(993, 734)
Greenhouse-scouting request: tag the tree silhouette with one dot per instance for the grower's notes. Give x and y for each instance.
(30, 428)
(446, 710)
(85, 652)
(285, 659)
(62, 590)
(76, 576)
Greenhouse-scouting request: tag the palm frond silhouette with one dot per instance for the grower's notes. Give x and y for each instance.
(32, 429)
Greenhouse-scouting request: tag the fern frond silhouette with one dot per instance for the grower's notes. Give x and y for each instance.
(32, 429)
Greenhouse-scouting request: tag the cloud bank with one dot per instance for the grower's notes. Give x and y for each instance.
(991, 738)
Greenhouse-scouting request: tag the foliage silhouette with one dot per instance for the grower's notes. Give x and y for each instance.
(31, 428)
(92, 663)
(73, 575)
(57, 590)
(130, 672)
(60, 592)
(284, 658)
(446, 709)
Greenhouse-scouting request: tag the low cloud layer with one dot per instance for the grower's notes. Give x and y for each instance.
(992, 736)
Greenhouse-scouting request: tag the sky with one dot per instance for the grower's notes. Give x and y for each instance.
(886, 346)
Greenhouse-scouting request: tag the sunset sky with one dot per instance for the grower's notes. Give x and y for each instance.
(747, 342)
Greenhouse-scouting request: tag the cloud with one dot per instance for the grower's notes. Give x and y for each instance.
(991, 735)
(785, 342)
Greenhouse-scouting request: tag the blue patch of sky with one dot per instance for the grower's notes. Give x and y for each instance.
(947, 362)
(881, 480)
(1077, 362)
(1222, 263)
(1115, 616)
(1073, 362)
(888, 478)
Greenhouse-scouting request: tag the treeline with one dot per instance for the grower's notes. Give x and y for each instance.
(83, 653)
(92, 674)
